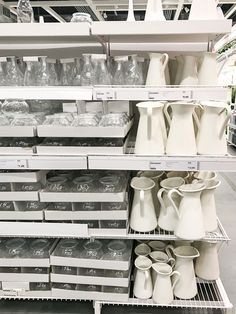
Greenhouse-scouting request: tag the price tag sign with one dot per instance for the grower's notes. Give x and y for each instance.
(153, 95)
(174, 165)
(14, 164)
(170, 94)
(105, 95)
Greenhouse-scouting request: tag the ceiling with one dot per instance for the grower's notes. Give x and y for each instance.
(113, 10)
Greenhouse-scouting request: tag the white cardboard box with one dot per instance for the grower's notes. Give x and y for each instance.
(16, 150)
(29, 277)
(17, 131)
(79, 150)
(21, 176)
(22, 215)
(19, 196)
(90, 280)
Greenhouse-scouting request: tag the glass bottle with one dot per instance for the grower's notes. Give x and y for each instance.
(30, 72)
(77, 75)
(42, 73)
(25, 13)
(14, 76)
(119, 75)
(101, 75)
(53, 78)
(134, 72)
(67, 71)
(87, 71)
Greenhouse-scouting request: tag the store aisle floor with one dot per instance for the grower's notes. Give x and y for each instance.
(226, 208)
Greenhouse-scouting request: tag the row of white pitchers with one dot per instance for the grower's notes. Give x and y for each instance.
(185, 70)
(188, 210)
(191, 128)
(165, 276)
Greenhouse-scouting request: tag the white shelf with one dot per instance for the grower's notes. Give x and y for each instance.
(160, 93)
(162, 31)
(46, 92)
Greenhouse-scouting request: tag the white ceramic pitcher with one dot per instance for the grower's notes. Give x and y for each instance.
(207, 72)
(156, 177)
(205, 175)
(156, 70)
(183, 174)
(203, 10)
(160, 257)
(143, 216)
(143, 281)
(179, 71)
(189, 72)
(168, 218)
(211, 138)
(181, 138)
(163, 288)
(186, 286)
(151, 134)
(190, 224)
(207, 264)
(209, 205)
(154, 11)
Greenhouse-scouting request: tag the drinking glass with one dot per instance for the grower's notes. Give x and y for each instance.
(119, 74)
(3, 61)
(12, 107)
(91, 272)
(92, 288)
(109, 183)
(16, 247)
(40, 106)
(114, 119)
(68, 248)
(116, 273)
(6, 206)
(67, 71)
(5, 186)
(39, 248)
(64, 286)
(83, 184)
(113, 224)
(40, 286)
(56, 141)
(114, 206)
(14, 76)
(60, 206)
(87, 71)
(57, 184)
(4, 120)
(92, 249)
(23, 142)
(58, 120)
(87, 206)
(133, 73)
(32, 206)
(109, 289)
(26, 119)
(92, 224)
(117, 250)
(66, 270)
(86, 119)
(101, 75)
(78, 17)
(28, 186)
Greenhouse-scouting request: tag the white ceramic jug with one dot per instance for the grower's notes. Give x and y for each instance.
(183, 174)
(154, 11)
(205, 175)
(156, 70)
(151, 134)
(179, 71)
(207, 264)
(143, 281)
(157, 245)
(190, 224)
(163, 288)
(160, 257)
(156, 177)
(209, 205)
(143, 216)
(142, 249)
(189, 72)
(186, 286)
(207, 72)
(130, 17)
(181, 138)
(203, 10)
(168, 218)
(211, 138)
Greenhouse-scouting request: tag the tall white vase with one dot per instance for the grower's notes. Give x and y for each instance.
(204, 10)
(151, 134)
(207, 73)
(156, 70)
(189, 74)
(131, 17)
(154, 11)
(143, 215)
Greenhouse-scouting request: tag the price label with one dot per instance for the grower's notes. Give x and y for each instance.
(105, 95)
(153, 95)
(174, 165)
(14, 164)
(170, 94)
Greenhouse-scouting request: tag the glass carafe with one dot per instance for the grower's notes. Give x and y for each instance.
(53, 78)
(101, 75)
(42, 73)
(134, 72)
(3, 61)
(67, 71)
(30, 72)
(25, 13)
(119, 75)
(77, 72)
(15, 247)
(14, 76)
(87, 71)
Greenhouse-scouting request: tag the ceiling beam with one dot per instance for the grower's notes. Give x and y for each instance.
(230, 12)
(94, 9)
(54, 14)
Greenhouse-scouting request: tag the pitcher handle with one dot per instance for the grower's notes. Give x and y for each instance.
(149, 123)
(147, 277)
(169, 195)
(222, 130)
(141, 196)
(195, 117)
(165, 59)
(169, 249)
(175, 272)
(171, 260)
(159, 196)
(166, 113)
